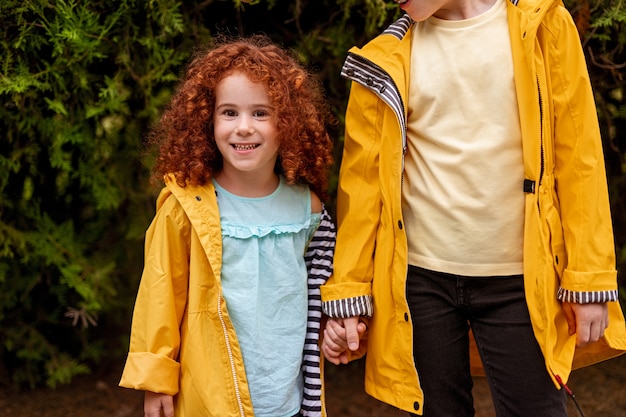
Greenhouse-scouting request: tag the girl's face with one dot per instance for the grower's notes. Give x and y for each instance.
(245, 126)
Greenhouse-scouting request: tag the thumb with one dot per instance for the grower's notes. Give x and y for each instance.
(570, 317)
(352, 333)
(361, 328)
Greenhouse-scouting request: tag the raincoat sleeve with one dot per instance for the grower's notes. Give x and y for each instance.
(152, 362)
(579, 174)
(348, 292)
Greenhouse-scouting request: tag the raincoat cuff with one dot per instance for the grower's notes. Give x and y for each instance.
(598, 281)
(147, 371)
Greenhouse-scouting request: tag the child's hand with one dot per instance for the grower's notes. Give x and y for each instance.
(340, 337)
(588, 321)
(154, 402)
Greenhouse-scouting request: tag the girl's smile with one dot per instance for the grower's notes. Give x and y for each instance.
(243, 148)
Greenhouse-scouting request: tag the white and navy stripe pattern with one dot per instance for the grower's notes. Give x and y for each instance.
(349, 307)
(319, 263)
(400, 27)
(377, 80)
(363, 71)
(586, 297)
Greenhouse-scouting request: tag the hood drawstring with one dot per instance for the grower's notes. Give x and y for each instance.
(570, 393)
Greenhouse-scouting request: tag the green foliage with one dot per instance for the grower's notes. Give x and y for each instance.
(80, 84)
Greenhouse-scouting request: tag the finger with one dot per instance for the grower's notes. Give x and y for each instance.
(352, 333)
(331, 346)
(151, 405)
(334, 335)
(336, 325)
(582, 334)
(168, 406)
(361, 328)
(332, 341)
(569, 317)
(330, 355)
(597, 331)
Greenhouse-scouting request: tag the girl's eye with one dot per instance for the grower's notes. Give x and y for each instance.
(229, 113)
(260, 113)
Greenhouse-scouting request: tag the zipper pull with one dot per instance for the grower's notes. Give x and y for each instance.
(570, 393)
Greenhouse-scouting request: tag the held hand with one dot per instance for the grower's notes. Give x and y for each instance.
(340, 337)
(154, 402)
(588, 321)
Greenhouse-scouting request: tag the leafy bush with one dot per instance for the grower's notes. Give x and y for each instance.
(81, 82)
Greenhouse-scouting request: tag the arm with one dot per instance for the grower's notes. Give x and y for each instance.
(579, 170)
(589, 278)
(152, 363)
(348, 292)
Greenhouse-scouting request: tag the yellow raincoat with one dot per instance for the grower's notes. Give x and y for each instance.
(568, 238)
(182, 340)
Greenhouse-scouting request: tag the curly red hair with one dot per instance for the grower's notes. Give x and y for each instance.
(184, 134)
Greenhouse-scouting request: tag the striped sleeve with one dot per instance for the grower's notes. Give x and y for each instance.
(349, 307)
(319, 262)
(586, 297)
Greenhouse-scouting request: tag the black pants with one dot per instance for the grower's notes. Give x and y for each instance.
(443, 308)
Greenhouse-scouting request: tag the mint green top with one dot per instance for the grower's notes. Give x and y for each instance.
(264, 280)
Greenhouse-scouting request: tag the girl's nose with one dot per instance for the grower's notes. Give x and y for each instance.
(244, 127)
(244, 130)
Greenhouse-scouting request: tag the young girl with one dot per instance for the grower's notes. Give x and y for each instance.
(224, 322)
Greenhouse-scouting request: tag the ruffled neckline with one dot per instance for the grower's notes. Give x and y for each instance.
(248, 231)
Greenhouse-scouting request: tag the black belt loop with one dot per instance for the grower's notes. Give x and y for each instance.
(529, 186)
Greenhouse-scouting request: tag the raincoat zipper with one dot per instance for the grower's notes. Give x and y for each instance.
(541, 142)
(230, 356)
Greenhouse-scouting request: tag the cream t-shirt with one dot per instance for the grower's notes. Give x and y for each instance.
(462, 193)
